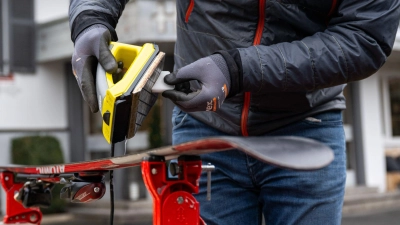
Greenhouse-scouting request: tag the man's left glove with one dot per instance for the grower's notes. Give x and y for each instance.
(212, 73)
(91, 47)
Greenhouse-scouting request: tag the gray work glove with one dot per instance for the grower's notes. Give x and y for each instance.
(213, 76)
(91, 47)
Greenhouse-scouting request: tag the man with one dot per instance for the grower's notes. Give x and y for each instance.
(266, 68)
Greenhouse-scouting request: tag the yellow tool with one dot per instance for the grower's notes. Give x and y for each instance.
(125, 101)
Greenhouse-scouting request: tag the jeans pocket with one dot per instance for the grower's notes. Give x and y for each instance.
(331, 118)
(178, 117)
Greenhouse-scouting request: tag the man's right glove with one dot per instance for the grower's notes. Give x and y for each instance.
(91, 47)
(212, 73)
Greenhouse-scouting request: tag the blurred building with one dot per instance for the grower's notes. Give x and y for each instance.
(39, 95)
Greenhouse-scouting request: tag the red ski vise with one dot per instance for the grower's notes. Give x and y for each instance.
(173, 202)
(15, 211)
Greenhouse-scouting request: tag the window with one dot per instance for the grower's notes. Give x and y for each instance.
(17, 30)
(394, 100)
(391, 106)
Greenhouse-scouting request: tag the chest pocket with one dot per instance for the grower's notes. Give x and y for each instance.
(317, 6)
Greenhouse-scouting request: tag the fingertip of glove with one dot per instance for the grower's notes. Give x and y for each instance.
(93, 104)
(94, 110)
(166, 94)
(110, 65)
(169, 79)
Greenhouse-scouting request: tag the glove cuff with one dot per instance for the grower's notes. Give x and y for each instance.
(235, 71)
(90, 28)
(87, 19)
(221, 63)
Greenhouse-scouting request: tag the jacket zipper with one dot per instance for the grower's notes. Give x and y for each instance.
(256, 41)
(189, 11)
(333, 7)
(260, 26)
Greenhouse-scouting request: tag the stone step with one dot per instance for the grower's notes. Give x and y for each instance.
(360, 191)
(134, 212)
(364, 200)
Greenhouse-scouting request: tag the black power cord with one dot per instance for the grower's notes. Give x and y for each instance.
(112, 189)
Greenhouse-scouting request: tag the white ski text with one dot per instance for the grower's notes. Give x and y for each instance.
(51, 169)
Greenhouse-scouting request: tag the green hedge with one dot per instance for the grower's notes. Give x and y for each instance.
(40, 150)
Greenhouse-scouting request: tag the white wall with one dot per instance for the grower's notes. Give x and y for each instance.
(48, 10)
(372, 133)
(396, 46)
(147, 21)
(35, 101)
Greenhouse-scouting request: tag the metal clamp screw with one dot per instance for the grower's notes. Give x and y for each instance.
(180, 200)
(208, 168)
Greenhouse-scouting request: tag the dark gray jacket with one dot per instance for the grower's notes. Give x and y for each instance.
(291, 57)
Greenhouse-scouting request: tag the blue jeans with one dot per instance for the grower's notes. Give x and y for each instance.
(244, 189)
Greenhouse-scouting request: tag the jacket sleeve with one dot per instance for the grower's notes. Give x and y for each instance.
(356, 43)
(84, 13)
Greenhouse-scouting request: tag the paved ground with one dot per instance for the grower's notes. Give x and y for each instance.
(88, 223)
(387, 217)
(391, 217)
(68, 219)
